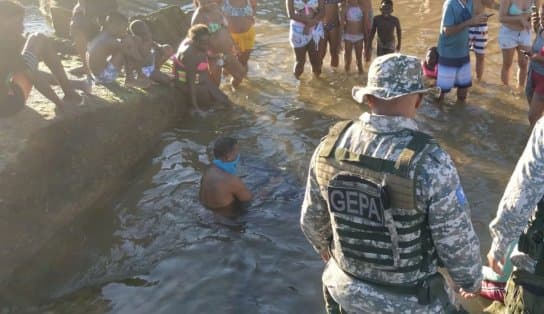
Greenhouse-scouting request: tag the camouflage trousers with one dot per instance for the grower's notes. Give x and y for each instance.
(331, 306)
(524, 293)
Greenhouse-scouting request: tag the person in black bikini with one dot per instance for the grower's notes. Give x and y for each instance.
(331, 23)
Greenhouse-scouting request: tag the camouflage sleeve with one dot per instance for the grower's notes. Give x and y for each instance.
(522, 194)
(314, 217)
(452, 232)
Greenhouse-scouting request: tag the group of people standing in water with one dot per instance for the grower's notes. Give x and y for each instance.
(316, 25)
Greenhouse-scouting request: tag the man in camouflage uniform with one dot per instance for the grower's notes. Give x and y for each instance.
(384, 204)
(523, 199)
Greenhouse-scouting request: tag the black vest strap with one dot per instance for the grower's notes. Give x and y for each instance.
(416, 144)
(531, 242)
(330, 140)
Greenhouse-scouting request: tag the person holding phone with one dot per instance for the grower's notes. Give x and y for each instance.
(477, 35)
(535, 82)
(514, 36)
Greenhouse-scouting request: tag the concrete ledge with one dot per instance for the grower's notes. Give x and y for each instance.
(53, 168)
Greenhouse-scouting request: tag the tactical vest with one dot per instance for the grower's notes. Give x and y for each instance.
(379, 233)
(531, 242)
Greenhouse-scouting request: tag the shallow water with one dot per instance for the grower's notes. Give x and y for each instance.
(152, 248)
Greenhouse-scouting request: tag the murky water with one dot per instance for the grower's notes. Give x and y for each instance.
(152, 248)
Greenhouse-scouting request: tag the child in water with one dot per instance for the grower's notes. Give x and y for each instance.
(146, 55)
(386, 24)
(430, 66)
(354, 32)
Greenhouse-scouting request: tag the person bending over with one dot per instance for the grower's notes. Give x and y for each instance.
(107, 54)
(147, 55)
(19, 60)
(87, 16)
(220, 188)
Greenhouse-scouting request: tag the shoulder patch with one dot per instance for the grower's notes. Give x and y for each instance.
(437, 154)
(461, 199)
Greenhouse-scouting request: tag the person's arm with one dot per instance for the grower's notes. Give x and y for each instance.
(490, 4)
(399, 33)
(504, 17)
(314, 218)
(292, 15)
(191, 64)
(518, 203)
(452, 232)
(343, 9)
(132, 50)
(366, 6)
(240, 191)
(254, 6)
(450, 28)
(319, 15)
(372, 33)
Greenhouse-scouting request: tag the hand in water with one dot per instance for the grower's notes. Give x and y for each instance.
(199, 113)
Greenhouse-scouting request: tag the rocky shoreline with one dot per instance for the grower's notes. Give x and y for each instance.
(54, 168)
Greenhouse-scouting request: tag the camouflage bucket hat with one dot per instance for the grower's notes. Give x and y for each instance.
(392, 76)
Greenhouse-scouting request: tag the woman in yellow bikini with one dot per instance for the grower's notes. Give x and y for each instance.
(240, 16)
(222, 49)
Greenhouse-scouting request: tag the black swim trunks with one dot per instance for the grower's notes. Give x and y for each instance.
(12, 99)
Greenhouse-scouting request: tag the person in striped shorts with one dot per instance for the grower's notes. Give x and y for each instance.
(478, 35)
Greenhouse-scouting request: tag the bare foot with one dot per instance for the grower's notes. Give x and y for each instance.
(139, 83)
(199, 113)
(85, 85)
(72, 99)
(236, 82)
(79, 71)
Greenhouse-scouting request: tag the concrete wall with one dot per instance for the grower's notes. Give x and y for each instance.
(62, 166)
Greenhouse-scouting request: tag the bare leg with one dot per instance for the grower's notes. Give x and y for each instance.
(334, 44)
(80, 42)
(40, 46)
(462, 94)
(315, 58)
(522, 67)
(367, 50)
(536, 108)
(300, 60)
(347, 54)
(130, 68)
(507, 58)
(480, 59)
(243, 58)
(161, 56)
(359, 55)
(323, 46)
(81, 85)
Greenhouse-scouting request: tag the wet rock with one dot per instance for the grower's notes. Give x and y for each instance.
(59, 12)
(168, 25)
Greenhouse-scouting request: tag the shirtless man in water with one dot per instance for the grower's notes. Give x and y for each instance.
(221, 189)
